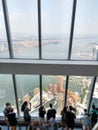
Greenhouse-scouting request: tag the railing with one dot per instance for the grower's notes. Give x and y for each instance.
(21, 123)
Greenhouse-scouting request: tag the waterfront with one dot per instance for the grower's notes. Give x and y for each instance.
(26, 84)
(83, 48)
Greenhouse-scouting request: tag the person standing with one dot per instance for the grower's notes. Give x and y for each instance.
(64, 115)
(6, 111)
(42, 113)
(93, 109)
(53, 123)
(51, 113)
(25, 109)
(12, 119)
(94, 115)
(70, 122)
(93, 119)
(86, 122)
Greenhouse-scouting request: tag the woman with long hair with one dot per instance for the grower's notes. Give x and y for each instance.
(25, 109)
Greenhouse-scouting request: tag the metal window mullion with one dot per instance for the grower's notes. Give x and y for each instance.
(72, 28)
(40, 89)
(16, 96)
(92, 90)
(66, 88)
(8, 33)
(39, 29)
(7, 26)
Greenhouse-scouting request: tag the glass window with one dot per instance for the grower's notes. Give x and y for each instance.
(85, 42)
(95, 95)
(6, 91)
(28, 90)
(24, 27)
(56, 19)
(78, 93)
(53, 91)
(4, 53)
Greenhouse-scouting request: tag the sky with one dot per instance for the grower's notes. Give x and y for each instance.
(56, 16)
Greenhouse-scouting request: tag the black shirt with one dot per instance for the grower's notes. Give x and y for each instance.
(70, 119)
(51, 113)
(12, 119)
(41, 113)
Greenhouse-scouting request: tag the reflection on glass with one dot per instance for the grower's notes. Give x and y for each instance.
(4, 53)
(56, 19)
(6, 91)
(53, 91)
(28, 90)
(78, 93)
(24, 27)
(85, 42)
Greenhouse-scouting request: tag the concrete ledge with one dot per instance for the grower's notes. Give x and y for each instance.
(49, 67)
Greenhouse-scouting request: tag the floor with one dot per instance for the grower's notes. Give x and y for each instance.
(24, 128)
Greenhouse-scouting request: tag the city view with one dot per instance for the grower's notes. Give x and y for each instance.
(87, 47)
(53, 91)
(52, 22)
(53, 86)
